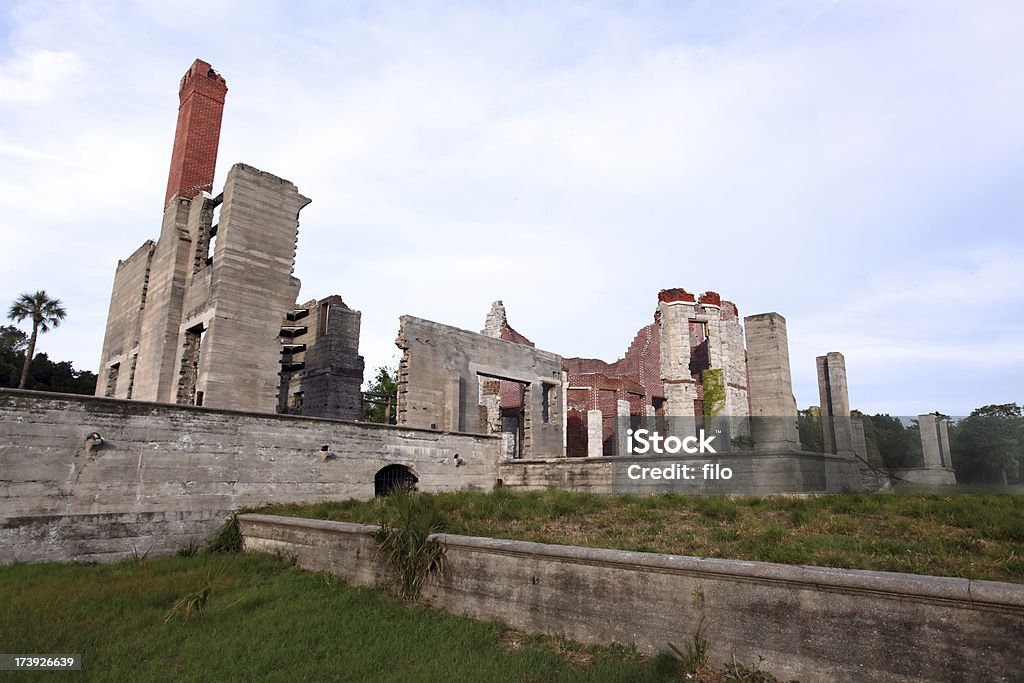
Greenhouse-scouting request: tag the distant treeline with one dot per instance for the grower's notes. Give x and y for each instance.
(986, 447)
(43, 374)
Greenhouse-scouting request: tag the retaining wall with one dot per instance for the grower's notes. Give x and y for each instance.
(809, 623)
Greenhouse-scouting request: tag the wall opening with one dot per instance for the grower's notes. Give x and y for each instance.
(189, 372)
(112, 373)
(325, 318)
(393, 477)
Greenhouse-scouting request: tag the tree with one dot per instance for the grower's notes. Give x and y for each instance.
(988, 445)
(12, 354)
(897, 445)
(380, 400)
(808, 426)
(44, 313)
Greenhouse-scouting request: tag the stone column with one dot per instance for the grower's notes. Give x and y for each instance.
(595, 433)
(621, 420)
(835, 403)
(772, 405)
(935, 441)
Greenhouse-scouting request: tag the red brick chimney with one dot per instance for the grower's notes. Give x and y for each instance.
(194, 159)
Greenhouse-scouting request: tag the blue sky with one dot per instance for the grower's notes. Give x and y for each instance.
(855, 166)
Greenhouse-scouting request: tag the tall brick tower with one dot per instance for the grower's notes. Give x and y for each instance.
(201, 106)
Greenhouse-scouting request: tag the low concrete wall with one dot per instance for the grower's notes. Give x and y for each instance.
(166, 474)
(752, 473)
(809, 623)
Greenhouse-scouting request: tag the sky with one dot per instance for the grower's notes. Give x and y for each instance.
(857, 167)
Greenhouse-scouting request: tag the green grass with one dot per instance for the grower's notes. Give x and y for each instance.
(973, 535)
(266, 620)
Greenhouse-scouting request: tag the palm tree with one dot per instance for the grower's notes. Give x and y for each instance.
(44, 312)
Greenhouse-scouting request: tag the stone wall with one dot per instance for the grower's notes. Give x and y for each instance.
(440, 375)
(165, 474)
(808, 623)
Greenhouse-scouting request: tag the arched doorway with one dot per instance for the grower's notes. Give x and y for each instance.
(391, 477)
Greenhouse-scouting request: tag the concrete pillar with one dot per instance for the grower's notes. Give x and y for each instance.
(772, 405)
(622, 419)
(595, 434)
(835, 403)
(944, 454)
(860, 442)
(935, 441)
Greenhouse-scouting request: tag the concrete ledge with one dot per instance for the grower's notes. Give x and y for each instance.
(810, 623)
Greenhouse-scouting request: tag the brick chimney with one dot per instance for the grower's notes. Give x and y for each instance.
(194, 159)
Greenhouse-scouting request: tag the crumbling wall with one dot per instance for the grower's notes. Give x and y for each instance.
(440, 377)
(322, 370)
(124, 318)
(698, 335)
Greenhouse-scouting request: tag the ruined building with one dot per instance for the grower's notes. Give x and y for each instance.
(206, 315)
(694, 354)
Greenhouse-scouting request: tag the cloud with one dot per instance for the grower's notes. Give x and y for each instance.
(853, 166)
(36, 77)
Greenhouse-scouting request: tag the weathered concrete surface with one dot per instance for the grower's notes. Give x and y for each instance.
(329, 381)
(809, 623)
(771, 383)
(833, 391)
(160, 460)
(698, 335)
(439, 382)
(252, 291)
(935, 441)
(595, 427)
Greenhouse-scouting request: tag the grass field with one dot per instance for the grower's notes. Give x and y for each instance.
(971, 536)
(266, 620)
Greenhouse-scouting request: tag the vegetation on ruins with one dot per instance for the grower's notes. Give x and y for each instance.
(970, 535)
(407, 519)
(713, 381)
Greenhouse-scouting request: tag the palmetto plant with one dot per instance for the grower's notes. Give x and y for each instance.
(44, 313)
(404, 543)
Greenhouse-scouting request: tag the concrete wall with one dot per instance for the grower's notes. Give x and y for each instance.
(686, 352)
(809, 623)
(329, 381)
(439, 382)
(165, 473)
(127, 301)
(253, 290)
